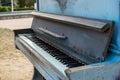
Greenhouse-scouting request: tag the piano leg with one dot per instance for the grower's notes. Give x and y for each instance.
(37, 75)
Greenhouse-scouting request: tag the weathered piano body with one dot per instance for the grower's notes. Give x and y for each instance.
(69, 48)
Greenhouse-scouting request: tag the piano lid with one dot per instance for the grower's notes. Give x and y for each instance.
(82, 38)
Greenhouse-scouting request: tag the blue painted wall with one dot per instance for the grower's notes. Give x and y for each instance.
(101, 9)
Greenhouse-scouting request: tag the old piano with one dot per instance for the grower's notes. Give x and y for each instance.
(69, 48)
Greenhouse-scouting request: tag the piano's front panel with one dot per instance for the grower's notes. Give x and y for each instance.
(75, 35)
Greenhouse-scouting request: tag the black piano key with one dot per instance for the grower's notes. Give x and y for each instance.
(60, 56)
(67, 61)
(73, 65)
(49, 51)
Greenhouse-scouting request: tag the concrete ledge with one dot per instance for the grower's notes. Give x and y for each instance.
(15, 15)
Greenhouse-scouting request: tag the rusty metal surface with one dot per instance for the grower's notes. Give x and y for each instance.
(86, 43)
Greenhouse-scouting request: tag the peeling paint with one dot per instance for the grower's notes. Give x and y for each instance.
(62, 4)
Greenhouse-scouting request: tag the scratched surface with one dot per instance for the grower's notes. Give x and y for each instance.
(100, 9)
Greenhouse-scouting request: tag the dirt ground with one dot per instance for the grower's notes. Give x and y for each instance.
(13, 64)
(13, 24)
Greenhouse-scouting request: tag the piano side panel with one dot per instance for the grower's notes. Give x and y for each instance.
(49, 75)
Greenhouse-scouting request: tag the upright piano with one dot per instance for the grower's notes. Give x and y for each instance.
(69, 48)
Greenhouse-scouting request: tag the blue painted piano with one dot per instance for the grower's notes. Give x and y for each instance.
(73, 40)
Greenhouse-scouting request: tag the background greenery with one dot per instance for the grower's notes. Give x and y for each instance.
(5, 8)
(19, 5)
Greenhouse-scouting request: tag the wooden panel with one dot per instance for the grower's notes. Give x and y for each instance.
(83, 44)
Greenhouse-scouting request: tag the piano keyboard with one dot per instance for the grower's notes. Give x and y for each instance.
(60, 56)
(53, 58)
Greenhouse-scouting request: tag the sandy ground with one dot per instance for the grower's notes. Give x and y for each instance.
(13, 64)
(16, 23)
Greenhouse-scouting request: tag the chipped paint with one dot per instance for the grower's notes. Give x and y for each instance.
(62, 4)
